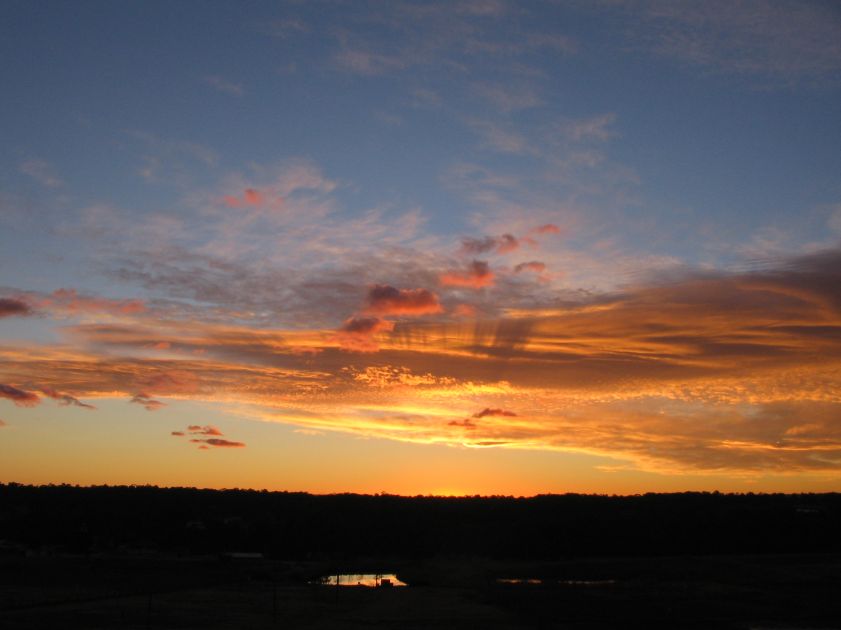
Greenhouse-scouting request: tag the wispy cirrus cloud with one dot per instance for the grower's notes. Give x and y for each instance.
(507, 98)
(170, 160)
(438, 34)
(368, 62)
(501, 138)
(785, 43)
(597, 128)
(221, 84)
(40, 171)
(71, 302)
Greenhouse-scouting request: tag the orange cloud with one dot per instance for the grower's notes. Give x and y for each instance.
(464, 310)
(357, 333)
(70, 301)
(387, 300)
(65, 399)
(196, 429)
(548, 228)
(147, 402)
(250, 197)
(20, 397)
(10, 307)
(477, 276)
(712, 371)
(168, 382)
(366, 325)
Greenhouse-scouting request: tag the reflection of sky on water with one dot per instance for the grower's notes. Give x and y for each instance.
(361, 579)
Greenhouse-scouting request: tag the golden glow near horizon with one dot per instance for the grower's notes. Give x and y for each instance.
(741, 383)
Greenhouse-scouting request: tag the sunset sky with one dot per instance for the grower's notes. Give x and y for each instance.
(467, 247)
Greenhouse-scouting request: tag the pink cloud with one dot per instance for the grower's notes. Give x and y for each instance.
(10, 307)
(477, 275)
(386, 300)
(548, 228)
(219, 443)
(209, 429)
(250, 197)
(20, 397)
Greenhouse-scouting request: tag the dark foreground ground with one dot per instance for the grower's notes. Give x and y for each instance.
(171, 558)
(168, 592)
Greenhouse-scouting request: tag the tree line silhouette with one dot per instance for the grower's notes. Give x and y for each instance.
(296, 525)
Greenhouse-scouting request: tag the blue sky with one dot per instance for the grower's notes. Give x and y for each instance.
(219, 167)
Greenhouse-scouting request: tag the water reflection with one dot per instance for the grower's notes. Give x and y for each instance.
(360, 579)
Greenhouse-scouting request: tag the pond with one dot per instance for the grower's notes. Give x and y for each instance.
(360, 579)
